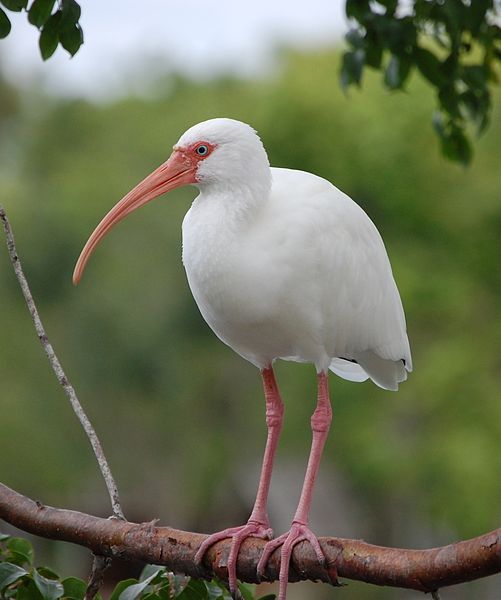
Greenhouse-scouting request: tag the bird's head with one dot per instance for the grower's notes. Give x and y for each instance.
(219, 154)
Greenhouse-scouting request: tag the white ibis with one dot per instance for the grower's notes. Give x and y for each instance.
(284, 265)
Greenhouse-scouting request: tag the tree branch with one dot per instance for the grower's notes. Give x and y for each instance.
(58, 369)
(424, 570)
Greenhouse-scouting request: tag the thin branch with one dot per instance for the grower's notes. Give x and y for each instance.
(99, 565)
(423, 570)
(58, 369)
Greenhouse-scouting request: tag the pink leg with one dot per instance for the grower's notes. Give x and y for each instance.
(299, 531)
(258, 524)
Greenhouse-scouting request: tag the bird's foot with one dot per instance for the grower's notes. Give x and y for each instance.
(238, 535)
(297, 533)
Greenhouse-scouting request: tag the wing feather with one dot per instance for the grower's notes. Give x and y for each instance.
(362, 317)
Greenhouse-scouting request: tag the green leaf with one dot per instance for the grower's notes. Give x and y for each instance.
(358, 9)
(430, 66)
(70, 15)
(455, 144)
(134, 591)
(476, 14)
(351, 68)
(71, 39)
(27, 590)
(354, 38)
(399, 35)
(150, 570)
(48, 43)
(121, 586)
(454, 16)
(216, 590)
(5, 27)
(471, 104)
(50, 589)
(4, 536)
(458, 147)
(268, 597)
(40, 11)
(391, 5)
(21, 550)
(374, 54)
(15, 5)
(247, 591)
(195, 590)
(48, 573)
(10, 573)
(397, 72)
(49, 38)
(475, 76)
(477, 108)
(449, 99)
(74, 588)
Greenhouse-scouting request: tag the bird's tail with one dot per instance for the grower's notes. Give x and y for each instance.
(348, 369)
(384, 372)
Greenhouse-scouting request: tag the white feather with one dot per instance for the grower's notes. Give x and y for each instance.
(297, 271)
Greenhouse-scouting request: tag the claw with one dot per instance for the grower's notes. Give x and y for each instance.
(236, 594)
(267, 552)
(237, 535)
(297, 533)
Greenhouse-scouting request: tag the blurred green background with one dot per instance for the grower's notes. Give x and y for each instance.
(181, 417)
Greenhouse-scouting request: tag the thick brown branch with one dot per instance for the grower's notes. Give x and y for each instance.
(58, 369)
(424, 570)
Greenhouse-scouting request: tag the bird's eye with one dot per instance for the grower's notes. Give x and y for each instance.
(202, 150)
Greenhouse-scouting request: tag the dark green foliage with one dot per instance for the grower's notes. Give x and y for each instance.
(454, 45)
(5, 25)
(156, 583)
(40, 12)
(59, 27)
(15, 5)
(20, 580)
(74, 588)
(71, 39)
(49, 36)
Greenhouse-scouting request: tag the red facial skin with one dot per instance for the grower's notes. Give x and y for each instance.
(180, 169)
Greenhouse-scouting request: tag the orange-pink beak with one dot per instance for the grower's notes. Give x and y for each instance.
(178, 170)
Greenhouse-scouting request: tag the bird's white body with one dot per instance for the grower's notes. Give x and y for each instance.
(292, 268)
(282, 264)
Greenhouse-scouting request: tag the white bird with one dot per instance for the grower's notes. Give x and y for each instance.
(282, 265)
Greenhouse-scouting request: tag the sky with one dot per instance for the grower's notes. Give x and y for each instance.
(124, 41)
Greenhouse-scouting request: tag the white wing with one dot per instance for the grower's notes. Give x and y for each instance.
(362, 318)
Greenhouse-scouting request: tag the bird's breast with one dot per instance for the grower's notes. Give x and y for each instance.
(237, 286)
(223, 277)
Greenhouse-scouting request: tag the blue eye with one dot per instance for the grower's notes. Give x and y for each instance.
(202, 150)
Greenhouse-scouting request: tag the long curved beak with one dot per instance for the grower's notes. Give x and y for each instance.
(175, 172)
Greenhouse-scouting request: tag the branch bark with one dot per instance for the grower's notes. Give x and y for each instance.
(424, 570)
